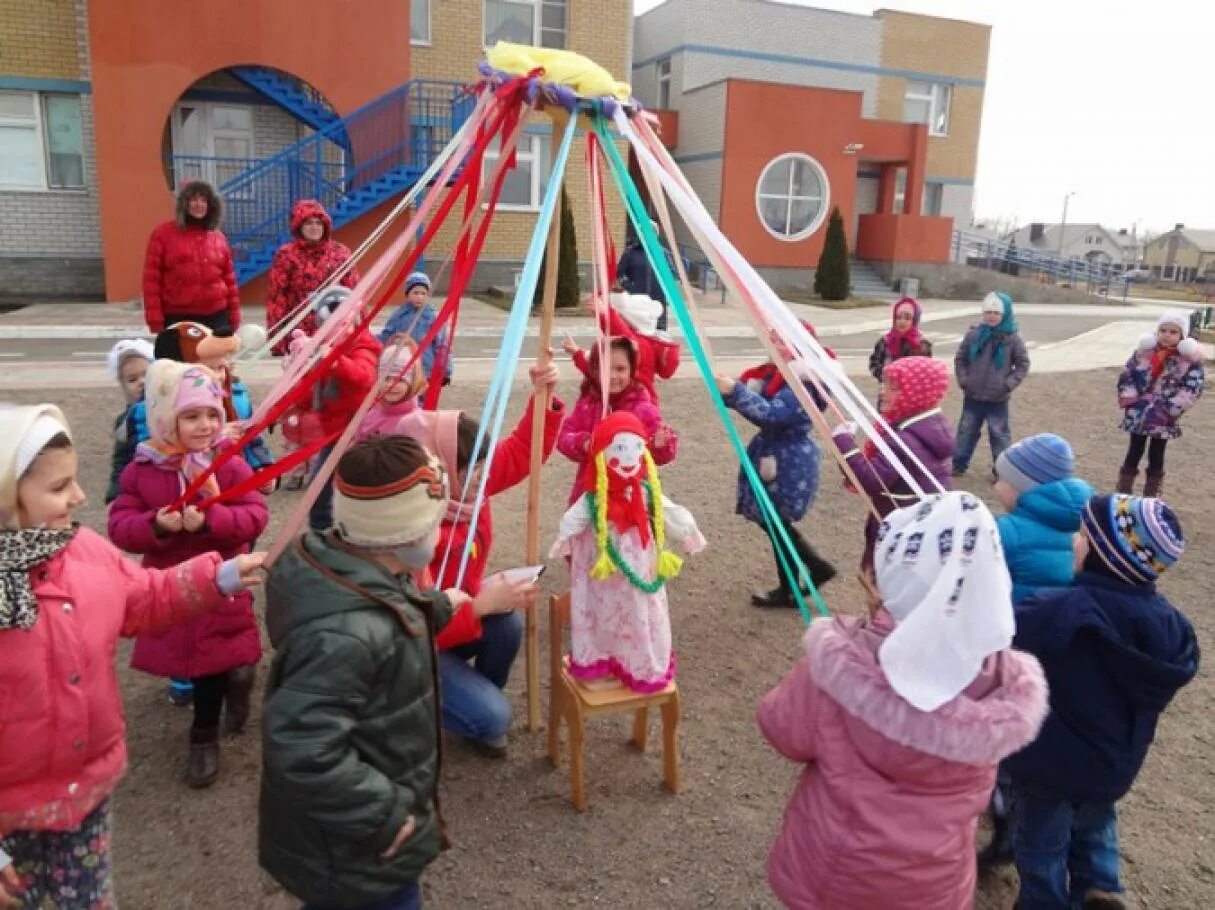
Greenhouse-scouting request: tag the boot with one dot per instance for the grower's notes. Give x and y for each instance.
(1153, 483)
(202, 767)
(1103, 900)
(1126, 480)
(820, 570)
(777, 597)
(236, 696)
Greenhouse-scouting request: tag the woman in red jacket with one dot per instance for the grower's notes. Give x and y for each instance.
(187, 272)
(302, 265)
(478, 646)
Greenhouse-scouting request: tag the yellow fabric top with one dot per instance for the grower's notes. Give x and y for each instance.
(582, 74)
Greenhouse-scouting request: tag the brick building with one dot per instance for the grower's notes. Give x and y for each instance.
(105, 108)
(784, 111)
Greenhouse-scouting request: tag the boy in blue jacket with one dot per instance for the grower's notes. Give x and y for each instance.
(1115, 652)
(415, 317)
(1044, 501)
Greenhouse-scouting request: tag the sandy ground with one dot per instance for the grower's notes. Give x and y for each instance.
(517, 840)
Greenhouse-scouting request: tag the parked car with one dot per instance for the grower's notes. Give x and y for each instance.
(1137, 274)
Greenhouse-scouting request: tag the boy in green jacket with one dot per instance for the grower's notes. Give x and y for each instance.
(348, 813)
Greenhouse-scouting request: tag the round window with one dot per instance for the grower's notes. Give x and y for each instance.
(791, 196)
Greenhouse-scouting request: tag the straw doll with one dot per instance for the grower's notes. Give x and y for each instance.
(615, 536)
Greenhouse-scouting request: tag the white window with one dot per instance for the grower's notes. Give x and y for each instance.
(928, 102)
(662, 71)
(419, 21)
(212, 142)
(537, 22)
(791, 196)
(932, 198)
(523, 187)
(41, 141)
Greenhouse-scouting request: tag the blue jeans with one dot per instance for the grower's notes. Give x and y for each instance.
(474, 706)
(320, 516)
(408, 898)
(970, 427)
(1063, 849)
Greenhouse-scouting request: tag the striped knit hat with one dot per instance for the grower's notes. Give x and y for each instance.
(1135, 538)
(1036, 460)
(388, 491)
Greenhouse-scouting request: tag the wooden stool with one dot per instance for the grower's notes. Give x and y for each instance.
(574, 701)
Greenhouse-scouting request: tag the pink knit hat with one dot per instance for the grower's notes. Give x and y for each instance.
(174, 387)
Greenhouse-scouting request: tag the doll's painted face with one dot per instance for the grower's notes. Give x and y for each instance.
(1169, 335)
(623, 456)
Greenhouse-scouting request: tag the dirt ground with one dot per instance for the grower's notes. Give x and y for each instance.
(517, 840)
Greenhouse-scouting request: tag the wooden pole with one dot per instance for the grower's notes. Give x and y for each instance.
(540, 406)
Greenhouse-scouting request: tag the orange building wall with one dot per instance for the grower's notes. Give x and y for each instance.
(764, 120)
(146, 53)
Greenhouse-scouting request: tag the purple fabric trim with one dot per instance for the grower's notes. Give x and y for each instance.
(610, 666)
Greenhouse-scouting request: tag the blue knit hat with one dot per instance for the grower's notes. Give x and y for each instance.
(415, 279)
(1136, 538)
(1036, 460)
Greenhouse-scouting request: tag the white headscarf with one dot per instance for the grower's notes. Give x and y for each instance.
(943, 579)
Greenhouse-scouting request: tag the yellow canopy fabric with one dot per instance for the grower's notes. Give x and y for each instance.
(582, 74)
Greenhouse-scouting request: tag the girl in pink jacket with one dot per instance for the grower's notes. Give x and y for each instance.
(901, 720)
(219, 651)
(625, 393)
(66, 597)
(399, 391)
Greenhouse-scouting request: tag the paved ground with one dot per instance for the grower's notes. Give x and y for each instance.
(517, 841)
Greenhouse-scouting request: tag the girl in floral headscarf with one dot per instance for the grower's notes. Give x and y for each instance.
(216, 652)
(904, 339)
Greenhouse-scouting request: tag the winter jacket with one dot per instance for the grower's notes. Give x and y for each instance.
(62, 737)
(511, 465)
(1114, 656)
(225, 638)
(123, 451)
(1036, 535)
(576, 431)
(188, 267)
(350, 730)
(636, 275)
(928, 436)
(655, 356)
(881, 355)
(1154, 407)
(885, 811)
(301, 266)
(256, 454)
(783, 453)
(980, 379)
(417, 324)
(341, 392)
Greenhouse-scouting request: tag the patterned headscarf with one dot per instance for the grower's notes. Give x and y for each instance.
(912, 337)
(172, 388)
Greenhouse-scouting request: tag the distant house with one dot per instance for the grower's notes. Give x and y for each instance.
(1088, 242)
(1183, 254)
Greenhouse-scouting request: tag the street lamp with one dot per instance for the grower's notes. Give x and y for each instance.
(1063, 227)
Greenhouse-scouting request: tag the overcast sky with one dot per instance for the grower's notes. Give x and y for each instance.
(1109, 99)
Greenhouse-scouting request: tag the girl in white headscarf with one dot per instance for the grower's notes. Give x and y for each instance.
(901, 719)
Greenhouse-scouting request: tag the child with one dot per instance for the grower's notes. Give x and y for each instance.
(1115, 652)
(625, 393)
(127, 363)
(913, 389)
(787, 461)
(900, 720)
(990, 363)
(615, 536)
(349, 809)
(415, 318)
(1160, 382)
(1043, 498)
(218, 652)
(903, 340)
(476, 651)
(68, 596)
(635, 316)
(399, 392)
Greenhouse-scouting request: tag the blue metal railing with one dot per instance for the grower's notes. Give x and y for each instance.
(350, 166)
(1100, 276)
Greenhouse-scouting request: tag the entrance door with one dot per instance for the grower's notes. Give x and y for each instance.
(212, 142)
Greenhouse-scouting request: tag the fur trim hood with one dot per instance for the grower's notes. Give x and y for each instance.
(998, 714)
(215, 205)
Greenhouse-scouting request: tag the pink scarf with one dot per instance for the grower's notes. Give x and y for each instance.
(436, 430)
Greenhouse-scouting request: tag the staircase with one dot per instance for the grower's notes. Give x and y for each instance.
(350, 165)
(289, 93)
(868, 283)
